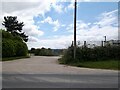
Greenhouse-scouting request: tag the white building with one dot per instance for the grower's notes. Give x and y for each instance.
(113, 42)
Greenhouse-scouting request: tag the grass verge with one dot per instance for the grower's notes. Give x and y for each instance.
(107, 64)
(14, 58)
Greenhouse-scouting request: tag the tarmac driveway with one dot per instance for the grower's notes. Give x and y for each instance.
(45, 72)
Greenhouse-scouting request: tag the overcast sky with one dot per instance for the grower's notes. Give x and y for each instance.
(49, 23)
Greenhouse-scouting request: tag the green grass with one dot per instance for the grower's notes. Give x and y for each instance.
(14, 58)
(107, 64)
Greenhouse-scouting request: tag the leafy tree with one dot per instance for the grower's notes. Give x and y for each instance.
(25, 38)
(37, 52)
(42, 52)
(32, 50)
(14, 27)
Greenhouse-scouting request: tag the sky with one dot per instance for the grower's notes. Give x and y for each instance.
(49, 23)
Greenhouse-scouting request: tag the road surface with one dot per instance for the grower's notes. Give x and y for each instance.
(45, 72)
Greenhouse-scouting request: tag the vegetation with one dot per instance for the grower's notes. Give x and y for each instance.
(46, 52)
(8, 48)
(12, 46)
(14, 58)
(43, 52)
(111, 64)
(14, 27)
(58, 52)
(13, 39)
(97, 57)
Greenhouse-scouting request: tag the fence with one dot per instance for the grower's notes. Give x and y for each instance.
(92, 44)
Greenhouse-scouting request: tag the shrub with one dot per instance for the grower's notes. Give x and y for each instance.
(43, 52)
(8, 48)
(17, 38)
(21, 48)
(6, 34)
(13, 45)
(91, 54)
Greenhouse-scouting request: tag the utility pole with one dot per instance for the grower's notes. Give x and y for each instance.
(75, 28)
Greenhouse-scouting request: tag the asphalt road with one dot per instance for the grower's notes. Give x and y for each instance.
(45, 72)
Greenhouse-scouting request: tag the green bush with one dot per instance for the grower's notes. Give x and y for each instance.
(91, 54)
(12, 45)
(43, 52)
(6, 34)
(21, 48)
(17, 38)
(8, 48)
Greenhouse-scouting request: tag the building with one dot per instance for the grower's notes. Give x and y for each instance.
(112, 42)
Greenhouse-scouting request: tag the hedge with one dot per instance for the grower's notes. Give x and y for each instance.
(21, 48)
(8, 48)
(91, 54)
(13, 45)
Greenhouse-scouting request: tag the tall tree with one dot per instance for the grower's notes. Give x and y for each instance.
(14, 27)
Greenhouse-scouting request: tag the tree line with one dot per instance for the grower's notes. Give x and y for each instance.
(46, 51)
(41, 52)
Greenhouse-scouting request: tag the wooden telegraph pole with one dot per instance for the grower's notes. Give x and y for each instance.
(75, 28)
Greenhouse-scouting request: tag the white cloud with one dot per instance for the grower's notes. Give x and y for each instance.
(52, 22)
(49, 20)
(109, 18)
(85, 32)
(97, 34)
(63, 25)
(82, 25)
(58, 7)
(60, 0)
(26, 11)
(17, 6)
(70, 27)
(32, 39)
(29, 28)
(107, 25)
(55, 42)
(70, 6)
(33, 30)
(91, 0)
